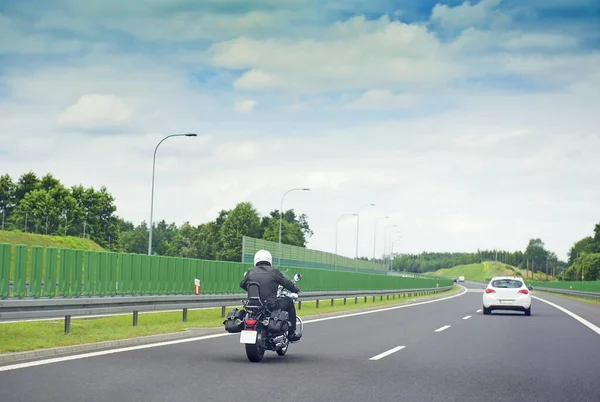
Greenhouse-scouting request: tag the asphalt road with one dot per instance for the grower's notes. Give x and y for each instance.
(505, 357)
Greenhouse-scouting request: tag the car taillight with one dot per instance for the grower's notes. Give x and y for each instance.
(488, 290)
(524, 291)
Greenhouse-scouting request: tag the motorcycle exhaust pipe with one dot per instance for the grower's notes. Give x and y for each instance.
(279, 341)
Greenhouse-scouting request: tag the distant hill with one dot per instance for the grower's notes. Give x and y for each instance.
(30, 239)
(486, 270)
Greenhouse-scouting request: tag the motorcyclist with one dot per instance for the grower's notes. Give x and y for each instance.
(269, 278)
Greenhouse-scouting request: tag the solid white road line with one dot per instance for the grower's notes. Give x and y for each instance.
(575, 316)
(443, 328)
(107, 352)
(389, 352)
(200, 338)
(467, 317)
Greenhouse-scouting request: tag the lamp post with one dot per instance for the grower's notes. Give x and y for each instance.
(375, 235)
(357, 224)
(336, 237)
(385, 239)
(152, 196)
(281, 218)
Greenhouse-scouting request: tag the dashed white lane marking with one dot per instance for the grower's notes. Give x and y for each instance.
(479, 311)
(389, 352)
(443, 328)
(467, 317)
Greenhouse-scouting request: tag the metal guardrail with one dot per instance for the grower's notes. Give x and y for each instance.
(18, 309)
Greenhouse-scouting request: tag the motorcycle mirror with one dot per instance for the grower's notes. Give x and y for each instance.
(297, 277)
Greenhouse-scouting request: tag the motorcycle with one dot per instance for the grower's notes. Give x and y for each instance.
(261, 329)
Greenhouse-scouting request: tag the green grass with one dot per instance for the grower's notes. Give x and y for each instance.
(577, 298)
(30, 239)
(25, 336)
(486, 270)
(579, 286)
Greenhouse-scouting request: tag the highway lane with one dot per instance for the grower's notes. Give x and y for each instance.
(546, 357)
(505, 357)
(588, 311)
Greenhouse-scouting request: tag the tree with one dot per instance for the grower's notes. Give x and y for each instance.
(579, 247)
(290, 233)
(587, 266)
(35, 211)
(582, 258)
(7, 197)
(294, 230)
(243, 220)
(536, 254)
(133, 239)
(26, 183)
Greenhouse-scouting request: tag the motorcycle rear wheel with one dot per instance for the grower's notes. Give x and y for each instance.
(255, 353)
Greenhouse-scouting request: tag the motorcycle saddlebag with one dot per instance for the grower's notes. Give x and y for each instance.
(232, 315)
(278, 322)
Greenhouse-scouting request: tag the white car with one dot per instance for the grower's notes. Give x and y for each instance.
(507, 293)
(461, 278)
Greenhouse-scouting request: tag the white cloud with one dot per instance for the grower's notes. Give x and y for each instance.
(254, 79)
(357, 55)
(245, 106)
(382, 99)
(469, 15)
(96, 111)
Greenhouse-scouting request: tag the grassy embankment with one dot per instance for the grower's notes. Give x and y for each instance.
(486, 270)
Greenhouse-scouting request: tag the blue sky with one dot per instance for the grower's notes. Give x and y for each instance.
(473, 125)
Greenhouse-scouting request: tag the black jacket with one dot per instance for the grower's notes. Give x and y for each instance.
(269, 278)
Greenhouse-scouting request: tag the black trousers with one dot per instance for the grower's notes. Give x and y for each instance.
(287, 304)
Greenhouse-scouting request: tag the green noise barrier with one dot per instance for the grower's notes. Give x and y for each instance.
(38, 271)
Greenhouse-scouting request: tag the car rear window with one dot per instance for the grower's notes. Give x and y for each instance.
(507, 283)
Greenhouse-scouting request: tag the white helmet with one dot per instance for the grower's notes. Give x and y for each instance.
(263, 256)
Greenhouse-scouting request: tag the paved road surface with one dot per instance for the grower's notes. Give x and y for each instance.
(451, 352)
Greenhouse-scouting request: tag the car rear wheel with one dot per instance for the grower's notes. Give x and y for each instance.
(486, 311)
(528, 311)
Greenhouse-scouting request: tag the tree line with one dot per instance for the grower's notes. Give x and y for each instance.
(583, 263)
(43, 205)
(584, 258)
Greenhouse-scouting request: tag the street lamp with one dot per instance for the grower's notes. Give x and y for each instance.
(357, 224)
(281, 218)
(336, 237)
(385, 239)
(375, 235)
(152, 196)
